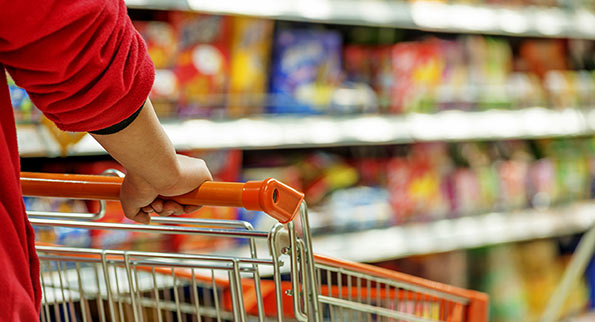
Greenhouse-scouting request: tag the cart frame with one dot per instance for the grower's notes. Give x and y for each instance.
(319, 287)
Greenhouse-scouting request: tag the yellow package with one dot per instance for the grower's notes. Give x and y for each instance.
(250, 53)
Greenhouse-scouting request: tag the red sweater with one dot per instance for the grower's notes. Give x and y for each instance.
(86, 68)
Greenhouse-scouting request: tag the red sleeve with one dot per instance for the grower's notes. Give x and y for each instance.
(81, 61)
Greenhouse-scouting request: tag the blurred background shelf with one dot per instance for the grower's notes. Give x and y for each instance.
(487, 19)
(456, 234)
(447, 235)
(274, 132)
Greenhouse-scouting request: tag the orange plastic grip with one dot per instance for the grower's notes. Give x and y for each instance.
(271, 196)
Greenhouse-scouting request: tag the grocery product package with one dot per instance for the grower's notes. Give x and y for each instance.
(490, 62)
(367, 65)
(161, 40)
(202, 63)
(417, 71)
(251, 40)
(497, 271)
(416, 183)
(470, 72)
(162, 46)
(24, 110)
(306, 66)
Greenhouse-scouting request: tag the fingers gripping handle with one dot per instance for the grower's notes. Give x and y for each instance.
(271, 196)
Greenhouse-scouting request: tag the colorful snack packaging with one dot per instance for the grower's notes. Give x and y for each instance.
(382, 76)
(370, 65)
(358, 61)
(161, 40)
(417, 71)
(250, 55)
(162, 45)
(24, 110)
(202, 63)
(305, 71)
(496, 64)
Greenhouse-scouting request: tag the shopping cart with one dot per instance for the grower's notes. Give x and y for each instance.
(289, 283)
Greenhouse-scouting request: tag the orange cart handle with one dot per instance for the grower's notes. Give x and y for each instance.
(273, 197)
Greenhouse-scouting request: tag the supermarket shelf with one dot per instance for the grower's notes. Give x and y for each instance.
(454, 234)
(435, 16)
(274, 132)
(445, 235)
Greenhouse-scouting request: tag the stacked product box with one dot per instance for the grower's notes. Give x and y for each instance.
(306, 67)
(208, 66)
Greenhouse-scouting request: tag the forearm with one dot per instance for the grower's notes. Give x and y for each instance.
(153, 168)
(144, 150)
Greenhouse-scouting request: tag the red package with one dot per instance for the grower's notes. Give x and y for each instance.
(467, 191)
(370, 65)
(543, 55)
(203, 63)
(358, 61)
(398, 180)
(372, 171)
(417, 70)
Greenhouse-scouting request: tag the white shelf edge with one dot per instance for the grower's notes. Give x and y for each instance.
(376, 245)
(434, 16)
(456, 234)
(274, 132)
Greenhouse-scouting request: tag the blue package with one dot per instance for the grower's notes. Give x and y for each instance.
(590, 278)
(19, 97)
(359, 208)
(23, 107)
(306, 67)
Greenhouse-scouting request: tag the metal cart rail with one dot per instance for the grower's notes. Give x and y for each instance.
(289, 283)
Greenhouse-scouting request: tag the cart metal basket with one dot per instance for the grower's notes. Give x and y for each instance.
(290, 282)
